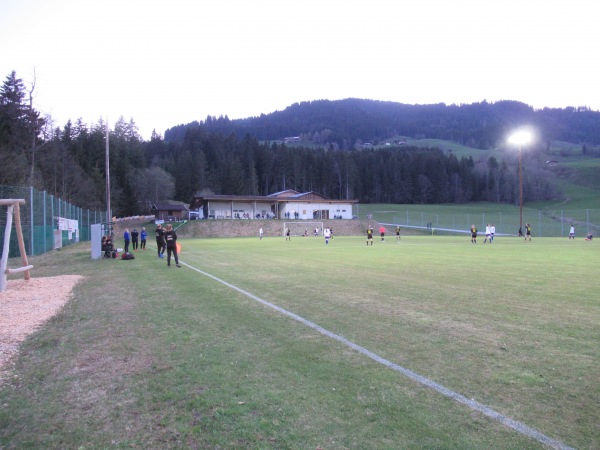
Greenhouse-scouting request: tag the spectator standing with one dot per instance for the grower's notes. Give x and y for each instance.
(143, 236)
(171, 243)
(135, 239)
(127, 239)
(160, 240)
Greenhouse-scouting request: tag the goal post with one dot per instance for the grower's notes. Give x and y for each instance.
(301, 227)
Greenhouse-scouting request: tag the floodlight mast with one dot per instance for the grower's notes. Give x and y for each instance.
(107, 168)
(520, 138)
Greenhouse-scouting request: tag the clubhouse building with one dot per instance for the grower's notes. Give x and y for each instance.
(288, 205)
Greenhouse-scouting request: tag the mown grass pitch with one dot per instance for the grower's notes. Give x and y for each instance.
(147, 356)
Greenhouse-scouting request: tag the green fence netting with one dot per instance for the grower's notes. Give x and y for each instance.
(48, 222)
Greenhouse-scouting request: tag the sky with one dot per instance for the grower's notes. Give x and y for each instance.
(170, 62)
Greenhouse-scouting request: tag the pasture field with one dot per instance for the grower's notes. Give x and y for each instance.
(145, 356)
(547, 219)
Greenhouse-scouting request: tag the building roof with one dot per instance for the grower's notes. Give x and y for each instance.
(179, 206)
(286, 196)
(292, 194)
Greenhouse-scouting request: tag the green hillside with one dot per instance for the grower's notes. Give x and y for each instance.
(577, 168)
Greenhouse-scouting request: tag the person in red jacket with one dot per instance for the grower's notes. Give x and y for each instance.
(382, 233)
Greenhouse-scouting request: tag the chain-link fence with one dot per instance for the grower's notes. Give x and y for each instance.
(47, 222)
(543, 223)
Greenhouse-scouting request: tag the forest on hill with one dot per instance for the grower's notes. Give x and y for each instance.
(250, 157)
(347, 124)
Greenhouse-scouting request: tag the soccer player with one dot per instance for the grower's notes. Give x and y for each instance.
(473, 234)
(287, 235)
(382, 233)
(370, 235)
(572, 232)
(488, 234)
(492, 232)
(527, 231)
(260, 233)
(327, 234)
(397, 233)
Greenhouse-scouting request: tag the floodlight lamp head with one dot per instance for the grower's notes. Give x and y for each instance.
(521, 137)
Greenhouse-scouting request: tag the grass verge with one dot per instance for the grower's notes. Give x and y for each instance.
(149, 357)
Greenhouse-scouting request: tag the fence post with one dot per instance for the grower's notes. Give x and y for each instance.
(500, 227)
(31, 250)
(587, 219)
(52, 223)
(44, 224)
(562, 223)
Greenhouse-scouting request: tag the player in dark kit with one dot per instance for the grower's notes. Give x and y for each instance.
(473, 234)
(370, 235)
(171, 242)
(160, 240)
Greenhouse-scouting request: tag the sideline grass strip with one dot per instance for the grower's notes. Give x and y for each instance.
(145, 356)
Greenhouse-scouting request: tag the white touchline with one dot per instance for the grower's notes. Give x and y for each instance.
(475, 405)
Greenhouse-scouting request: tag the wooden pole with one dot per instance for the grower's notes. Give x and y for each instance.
(13, 209)
(4, 265)
(107, 169)
(20, 239)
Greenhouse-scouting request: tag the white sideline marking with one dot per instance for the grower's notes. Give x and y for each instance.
(475, 405)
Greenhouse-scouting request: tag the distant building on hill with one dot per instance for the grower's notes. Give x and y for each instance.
(288, 205)
(170, 212)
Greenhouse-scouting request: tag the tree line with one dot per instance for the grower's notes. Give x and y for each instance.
(69, 162)
(344, 124)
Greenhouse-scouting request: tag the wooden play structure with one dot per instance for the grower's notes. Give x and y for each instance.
(13, 209)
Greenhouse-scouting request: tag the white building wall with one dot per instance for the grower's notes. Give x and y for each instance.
(224, 210)
(306, 210)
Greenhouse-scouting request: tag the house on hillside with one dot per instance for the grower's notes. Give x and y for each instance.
(169, 212)
(288, 204)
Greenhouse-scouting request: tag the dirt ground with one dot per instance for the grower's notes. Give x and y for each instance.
(27, 305)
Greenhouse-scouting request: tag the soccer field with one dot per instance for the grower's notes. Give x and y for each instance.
(512, 326)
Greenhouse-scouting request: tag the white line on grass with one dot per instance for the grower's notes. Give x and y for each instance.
(475, 405)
